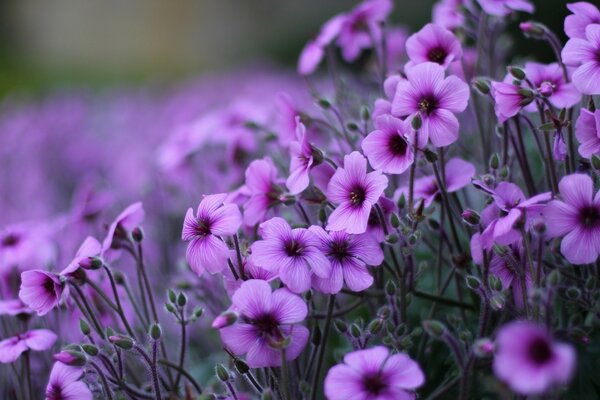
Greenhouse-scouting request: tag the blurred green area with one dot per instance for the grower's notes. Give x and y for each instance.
(97, 43)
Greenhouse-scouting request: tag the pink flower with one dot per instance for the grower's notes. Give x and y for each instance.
(447, 14)
(587, 130)
(529, 361)
(122, 226)
(263, 188)
(206, 250)
(312, 54)
(13, 307)
(435, 99)
(355, 192)
(37, 340)
(584, 14)
(387, 147)
(548, 80)
(501, 8)
(435, 44)
(65, 384)
(41, 290)
(266, 320)
(374, 374)
(361, 27)
(582, 53)
(23, 246)
(89, 249)
(577, 218)
(349, 256)
(292, 252)
(301, 154)
(509, 99)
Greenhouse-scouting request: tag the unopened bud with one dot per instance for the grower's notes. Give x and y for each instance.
(516, 72)
(481, 85)
(324, 104)
(137, 234)
(416, 122)
(225, 319)
(241, 366)
(483, 348)
(222, 372)
(90, 349)
(122, 342)
(171, 295)
(532, 29)
(472, 282)
(181, 299)
(494, 161)
(434, 328)
(84, 327)
(395, 220)
(498, 302)
(471, 217)
(340, 325)
(155, 331)
(71, 357)
(390, 288)
(596, 162)
(430, 156)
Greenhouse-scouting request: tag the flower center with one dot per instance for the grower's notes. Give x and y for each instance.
(202, 227)
(540, 351)
(54, 392)
(397, 145)
(267, 325)
(357, 195)
(49, 285)
(437, 55)
(293, 248)
(427, 105)
(339, 250)
(374, 384)
(10, 240)
(589, 217)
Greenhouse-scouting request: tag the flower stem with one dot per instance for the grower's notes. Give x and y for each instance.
(321, 357)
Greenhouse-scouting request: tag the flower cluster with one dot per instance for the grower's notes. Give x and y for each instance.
(423, 224)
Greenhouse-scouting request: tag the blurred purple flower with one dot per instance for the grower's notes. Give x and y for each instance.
(387, 147)
(355, 192)
(549, 81)
(577, 218)
(509, 99)
(13, 307)
(65, 384)
(89, 248)
(529, 361)
(263, 188)
(37, 340)
(313, 52)
(301, 160)
(501, 8)
(435, 99)
(41, 290)
(584, 14)
(121, 227)
(447, 14)
(267, 319)
(435, 44)
(587, 130)
(292, 252)
(349, 256)
(206, 250)
(582, 54)
(374, 374)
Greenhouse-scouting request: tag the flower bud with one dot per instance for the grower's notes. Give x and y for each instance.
(122, 342)
(375, 325)
(395, 220)
(225, 319)
(355, 331)
(324, 104)
(340, 325)
(516, 72)
(391, 238)
(171, 295)
(481, 85)
(483, 348)
(527, 97)
(503, 173)
(365, 113)
(546, 89)
(119, 277)
(390, 288)
(434, 328)
(532, 29)
(384, 312)
(137, 234)
(471, 217)
(498, 302)
(155, 331)
(267, 394)
(241, 366)
(84, 327)
(181, 299)
(352, 126)
(416, 122)
(170, 308)
(198, 311)
(472, 282)
(573, 293)
(222, 372)
(90, 349)
(494, 161)
(596, 162)
(91, 263)
(430, 156)
(71, 357)
(495, 283)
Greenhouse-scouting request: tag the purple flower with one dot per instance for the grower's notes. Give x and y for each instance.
(361, 27)
(501, 8)
(529, 361)
(293, 252)
(509, 206)
(23, 246)
(587, 130)
(37, 340)
(427, 93)
(387, 147)
(577, 218)
(354, 191)
(447, 14)
(374, 374)
(266, 320)
(349, 256)
(41, 290)
(263, 188)
(458, 175)
(89, 248)
(206, 250)
(313, 52)
(549, 81)
(509, 99)
(65, 384)
(582, 53)
(13, 307)
(120, 228)
(584, 14)
(435, 44)
(301, 154)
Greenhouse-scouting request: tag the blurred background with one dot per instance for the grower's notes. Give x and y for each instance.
(48, 44)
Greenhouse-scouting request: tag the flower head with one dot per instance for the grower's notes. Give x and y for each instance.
(266, 321)
(41, 290)
(584, 55)
(584, 14)
(529, 361)
(501, 8)
(387, 147)
(65, 384)
(13, 307)
(122, 226)
(435, 44)
(374, 374)
(577, 218)
(206, 250)
(302, 159)
(349, 256)
(293, 252)
(549, 81)
(37, 340)
(447, 14)
(263, 189)
(587, 130)
(83, 258)
(355, 192)
(314, 51)
(509, 99)
(435, 99)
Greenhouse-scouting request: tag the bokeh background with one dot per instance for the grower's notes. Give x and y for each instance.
(49, 44)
